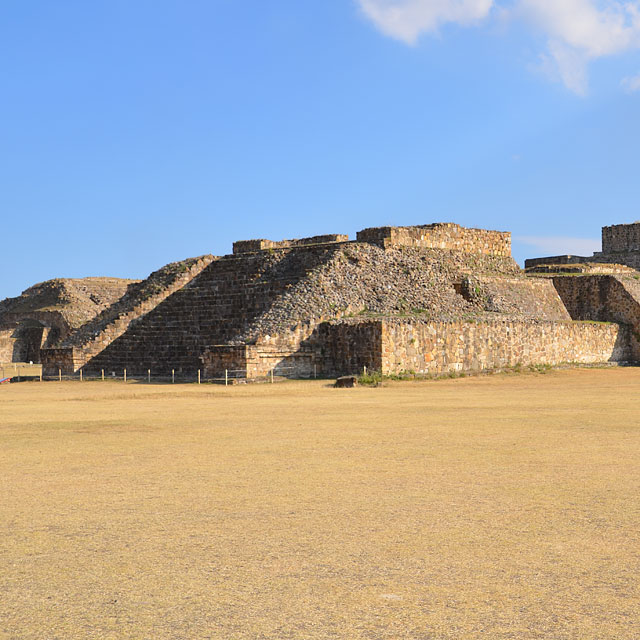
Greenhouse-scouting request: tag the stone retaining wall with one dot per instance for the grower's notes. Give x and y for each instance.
(629, 258)
(346, 347)
(331, 349)
(441, 235)
(442, 347)
(395, 346)
(584, 268)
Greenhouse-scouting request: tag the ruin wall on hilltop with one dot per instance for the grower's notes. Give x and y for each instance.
(530, 263)
(441, 235)
(250, 246)
(621, 238)
(620, 246)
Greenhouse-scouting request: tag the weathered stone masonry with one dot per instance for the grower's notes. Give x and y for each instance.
(430, 299)
(393, 346)
(48, 312)
(604, 299)
(621, 238)
(76, 350)
(446, 235)
(438, 348)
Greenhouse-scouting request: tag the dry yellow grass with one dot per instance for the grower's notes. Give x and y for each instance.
(498, 507)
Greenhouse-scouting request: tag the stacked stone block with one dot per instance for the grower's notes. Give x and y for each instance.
(442, 235)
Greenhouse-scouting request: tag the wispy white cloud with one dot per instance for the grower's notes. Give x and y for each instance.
(631, 84)
(576, 31)
(406, 20)
(563, 63)
(579, 31)
(560, 245)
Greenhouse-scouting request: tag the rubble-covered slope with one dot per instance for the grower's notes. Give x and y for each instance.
(367, 281)
(77, 300)
(247, 298)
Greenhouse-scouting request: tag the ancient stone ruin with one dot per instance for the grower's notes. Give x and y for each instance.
(430, 299)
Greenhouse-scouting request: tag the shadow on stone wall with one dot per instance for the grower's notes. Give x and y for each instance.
(218, 307)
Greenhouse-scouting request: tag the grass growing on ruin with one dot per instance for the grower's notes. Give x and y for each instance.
(376, 378)
(497, 507)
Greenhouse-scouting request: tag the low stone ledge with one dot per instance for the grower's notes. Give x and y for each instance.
(549, 260)
(261, 244)
(581, 268)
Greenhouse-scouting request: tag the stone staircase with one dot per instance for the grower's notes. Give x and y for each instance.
(216, 307)
(140, 298)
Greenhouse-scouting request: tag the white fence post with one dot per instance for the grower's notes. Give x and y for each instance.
(173, 376)
(198, 376)
(149, 376)
(125, 375)
(226, 377)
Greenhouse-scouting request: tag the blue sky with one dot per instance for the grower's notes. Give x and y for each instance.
(138, 132)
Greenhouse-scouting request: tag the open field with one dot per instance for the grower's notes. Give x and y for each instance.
(493, 507)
